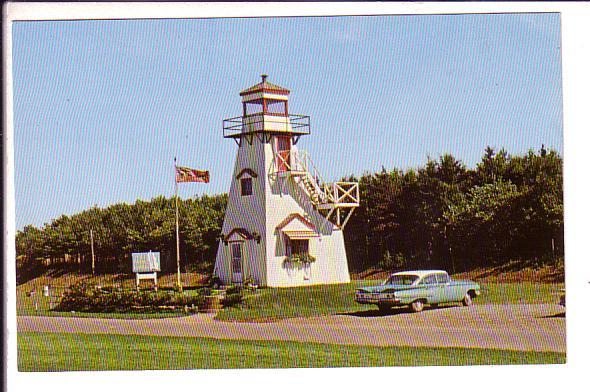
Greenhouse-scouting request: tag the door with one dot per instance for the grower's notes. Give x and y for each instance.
(236, 262)
(445, 290)
(284, 152)
(432, 289)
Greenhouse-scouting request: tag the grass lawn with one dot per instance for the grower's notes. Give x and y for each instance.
(519, 293)
(71, 352)
(278, 303)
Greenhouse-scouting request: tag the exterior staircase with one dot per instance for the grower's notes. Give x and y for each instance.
(336, 201)
(311, 189)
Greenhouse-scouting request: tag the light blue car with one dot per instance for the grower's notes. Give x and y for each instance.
(416, 289)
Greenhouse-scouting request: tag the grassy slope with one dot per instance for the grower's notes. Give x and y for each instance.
(511, 272)
(269, 303)
(499, 285)
(60, 279)
(63, 352)
(279, 303)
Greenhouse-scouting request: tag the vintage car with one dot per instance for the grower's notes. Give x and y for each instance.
(416, 289)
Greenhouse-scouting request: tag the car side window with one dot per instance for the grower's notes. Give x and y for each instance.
(430, 279)
(442, 278)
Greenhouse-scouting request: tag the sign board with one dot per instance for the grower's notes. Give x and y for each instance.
(146, 262)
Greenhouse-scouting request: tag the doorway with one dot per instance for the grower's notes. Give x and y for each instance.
(236, 261)
(284, 152)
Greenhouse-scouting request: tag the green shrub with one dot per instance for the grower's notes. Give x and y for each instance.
(215, 282)
(205, 291)
(233, 290)
(231, 300)
(85, 298)
(187, 300)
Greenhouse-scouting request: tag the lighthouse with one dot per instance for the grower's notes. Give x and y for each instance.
(284, 224)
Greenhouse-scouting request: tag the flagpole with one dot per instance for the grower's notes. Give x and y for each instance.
(177, 236)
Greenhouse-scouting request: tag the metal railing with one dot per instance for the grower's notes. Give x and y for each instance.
(296, 124)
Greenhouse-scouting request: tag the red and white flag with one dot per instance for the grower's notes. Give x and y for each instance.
(185, 174)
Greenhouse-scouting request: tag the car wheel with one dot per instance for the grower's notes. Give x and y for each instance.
(384, 308)
(467, 300)
(417, 306)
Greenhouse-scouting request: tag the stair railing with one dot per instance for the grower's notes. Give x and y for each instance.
(301, 162)
(320, 186)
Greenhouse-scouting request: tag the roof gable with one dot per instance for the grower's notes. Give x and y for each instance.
(296, 222)
(240, 234)
(248, 171)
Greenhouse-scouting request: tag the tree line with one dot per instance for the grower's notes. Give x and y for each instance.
(441, 215)
(448, 216)
(120, 229)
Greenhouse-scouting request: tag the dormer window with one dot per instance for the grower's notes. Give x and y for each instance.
(246, 185)
(245, 176)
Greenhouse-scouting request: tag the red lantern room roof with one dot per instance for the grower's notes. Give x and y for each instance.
(265, 86)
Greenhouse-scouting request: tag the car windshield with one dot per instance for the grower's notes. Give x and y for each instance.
(402, 279)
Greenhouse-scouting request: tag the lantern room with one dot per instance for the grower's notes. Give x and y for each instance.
(265, 112)
(265, 98)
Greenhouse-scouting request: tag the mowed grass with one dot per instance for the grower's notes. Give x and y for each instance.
(278, 303)
(519, 293)
(270, 304)
(77, 352)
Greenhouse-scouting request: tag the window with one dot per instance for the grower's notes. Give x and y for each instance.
(402, 279)
(246, 185)
(430, 279)
(253, 107)
(442, 278)
(297, 247)
(276, 107)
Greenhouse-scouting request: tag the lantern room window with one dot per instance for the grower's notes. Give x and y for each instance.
(265, 106)
(276, 107)
(254, 107)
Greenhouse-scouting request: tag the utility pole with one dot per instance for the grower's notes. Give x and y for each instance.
(92, 249)
(178, 282)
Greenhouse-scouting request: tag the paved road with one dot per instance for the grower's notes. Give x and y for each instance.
(514, 327)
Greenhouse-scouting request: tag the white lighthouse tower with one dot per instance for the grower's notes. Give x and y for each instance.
(283, 224)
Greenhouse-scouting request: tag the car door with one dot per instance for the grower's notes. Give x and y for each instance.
(445, 290)
(432, 288)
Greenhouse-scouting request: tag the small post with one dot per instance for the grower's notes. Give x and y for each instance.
(92, 249)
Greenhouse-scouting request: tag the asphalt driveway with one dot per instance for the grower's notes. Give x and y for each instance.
(515, 327)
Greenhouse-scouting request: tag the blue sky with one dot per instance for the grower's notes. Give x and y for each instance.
(102, 107)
